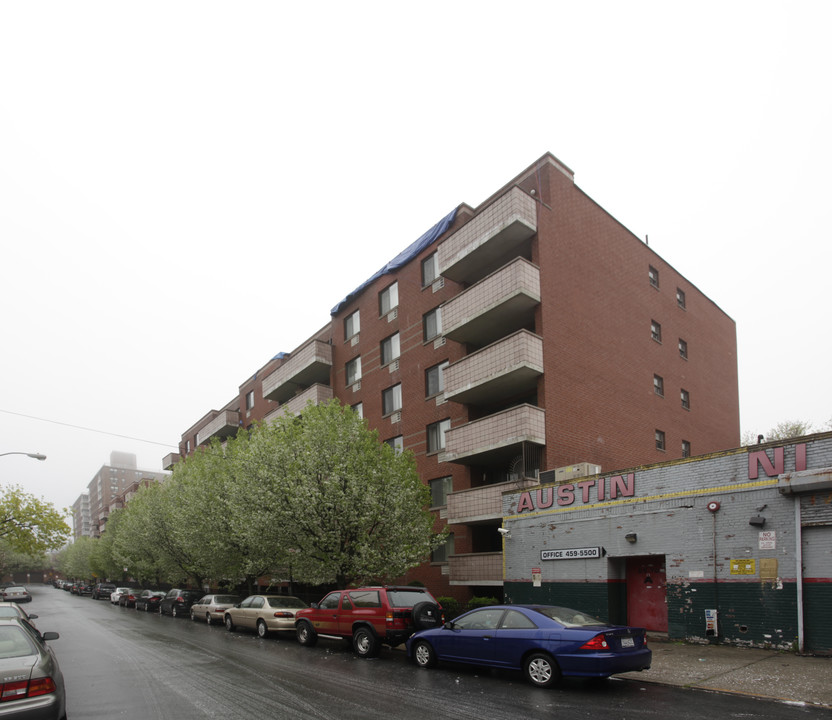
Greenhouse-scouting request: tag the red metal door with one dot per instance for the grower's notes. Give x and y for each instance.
(647, 592)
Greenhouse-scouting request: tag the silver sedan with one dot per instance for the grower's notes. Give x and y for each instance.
(211, 608)
(32, 683)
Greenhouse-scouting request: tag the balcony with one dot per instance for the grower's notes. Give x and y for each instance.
(317, 394)
(309, 365)
(476, 569)
(502, 231)
(170, 460)
(226, 423)
(495, 439)
(494, 307)
(466, 507)
(504, 369)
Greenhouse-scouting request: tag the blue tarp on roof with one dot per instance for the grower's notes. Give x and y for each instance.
(403, 257)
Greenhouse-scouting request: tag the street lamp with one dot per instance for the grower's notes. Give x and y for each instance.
(36, 456)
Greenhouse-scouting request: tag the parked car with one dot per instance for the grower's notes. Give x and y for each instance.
(82, 588)
(178, 602)
(102, 591)
(15, 593)
(543, 641)
(117, 593)
(13, 610)
(148, 600)
(211, 608)
(369, 617)
(264, 613)
(128, 599)
(33, 686)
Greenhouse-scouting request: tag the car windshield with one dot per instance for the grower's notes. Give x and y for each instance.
(569, 617)
(15, 643)
(6, 611)
(15, 589)
(285, 601)
(408, 598)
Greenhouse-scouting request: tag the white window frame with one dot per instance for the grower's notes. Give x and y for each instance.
(388, 298)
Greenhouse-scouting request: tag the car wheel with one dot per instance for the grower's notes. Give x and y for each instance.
(229, 623)
(262, 630)
(207, 618)
(423, 654)
(365, 643)
(306, 634)
(426, 615)
(541, 670)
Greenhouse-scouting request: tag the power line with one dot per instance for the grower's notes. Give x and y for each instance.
(80, 427)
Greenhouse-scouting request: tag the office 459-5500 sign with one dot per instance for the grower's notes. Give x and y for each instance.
(584, 553)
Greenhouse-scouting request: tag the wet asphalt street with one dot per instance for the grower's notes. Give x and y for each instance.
(121, 663)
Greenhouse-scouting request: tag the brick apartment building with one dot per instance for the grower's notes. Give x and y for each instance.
(532, 332)
(111, 487)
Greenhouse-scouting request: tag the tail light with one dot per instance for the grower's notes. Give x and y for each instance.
(24, 688)
(599, 642)
(283, 614)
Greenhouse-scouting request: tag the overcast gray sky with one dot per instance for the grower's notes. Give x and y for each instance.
(187, 188)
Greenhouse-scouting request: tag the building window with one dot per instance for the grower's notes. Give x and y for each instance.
(683, 349)
(353, 371)
(432, 324)
(653, 274)
(430, 270)
(686, 399)
(397, 443)
(352, 325)
(187, 446)
(685, 449)
(391, 400)
(390, 349)
(680, 298)
(444, 551)
(388, 298)
(358, 408)
(655, 331)
(435, 379)
(249, 399)
(436, 435)
(660, 440)
(439, 490)
(658, 385)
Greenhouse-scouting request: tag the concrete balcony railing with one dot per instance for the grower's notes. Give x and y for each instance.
(476, 569)
(226, 423)
(494, 307)
(482, 503)
(490, 239)
(509, 367)
(309, 365)
(499, 435)
(317, 394)
(170, 460)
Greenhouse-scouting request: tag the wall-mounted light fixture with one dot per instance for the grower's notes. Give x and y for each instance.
(631, 537)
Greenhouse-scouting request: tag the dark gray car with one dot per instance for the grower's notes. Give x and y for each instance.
(33, 686)
(178, 602)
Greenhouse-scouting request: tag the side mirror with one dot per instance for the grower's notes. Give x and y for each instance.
(50, 635)
(449, 625)
(314, 605)
(32, 616)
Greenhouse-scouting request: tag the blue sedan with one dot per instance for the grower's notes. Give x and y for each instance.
(544, 641)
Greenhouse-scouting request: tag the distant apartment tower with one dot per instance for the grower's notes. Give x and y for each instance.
(109, 489)
(532, 332)
(81, 524)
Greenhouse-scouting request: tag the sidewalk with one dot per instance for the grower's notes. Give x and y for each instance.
(742, 671)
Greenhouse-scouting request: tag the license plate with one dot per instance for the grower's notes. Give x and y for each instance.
(628, 642)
